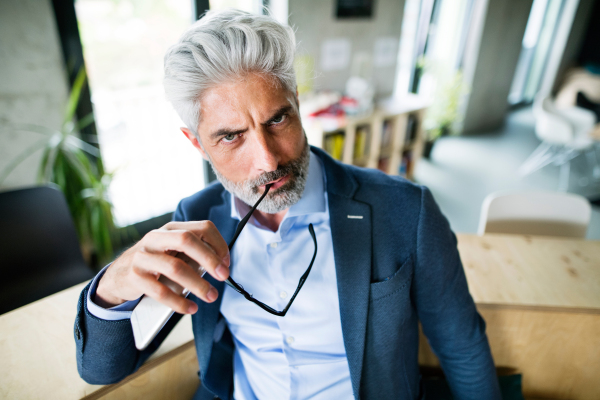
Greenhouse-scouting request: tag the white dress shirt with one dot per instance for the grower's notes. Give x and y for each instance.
(298, 356)
(301, 355)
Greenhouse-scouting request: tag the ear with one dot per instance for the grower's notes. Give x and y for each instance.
(192, 138)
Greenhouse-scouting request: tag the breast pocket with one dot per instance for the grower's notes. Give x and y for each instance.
(395, 284)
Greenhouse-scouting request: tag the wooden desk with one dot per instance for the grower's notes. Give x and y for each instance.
(540, 298)
(37, 351)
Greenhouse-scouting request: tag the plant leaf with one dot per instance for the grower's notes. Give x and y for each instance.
(53, 148)
(80, 166)
(85, 121)
(80, 144)
(32, 128)
(74, 96)
(20, 158)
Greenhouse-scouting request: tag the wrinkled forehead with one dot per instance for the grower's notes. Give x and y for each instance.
(248, 100)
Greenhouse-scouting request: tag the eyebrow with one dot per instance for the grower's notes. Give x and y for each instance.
(226, 132)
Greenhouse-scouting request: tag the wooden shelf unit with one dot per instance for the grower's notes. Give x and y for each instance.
(387, 136)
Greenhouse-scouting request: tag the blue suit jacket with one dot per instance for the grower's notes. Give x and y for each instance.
(396, 266)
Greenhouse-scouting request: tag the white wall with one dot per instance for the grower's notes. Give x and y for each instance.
(33, 85)
(315, 21)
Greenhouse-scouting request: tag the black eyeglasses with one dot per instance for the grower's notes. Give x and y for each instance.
(240, 289)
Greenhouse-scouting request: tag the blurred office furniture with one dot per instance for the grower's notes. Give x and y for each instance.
(540, 298)
(584, 102)
(565, 133)
(578, 80)
(39, 250)
(535, 213)
(390, 137)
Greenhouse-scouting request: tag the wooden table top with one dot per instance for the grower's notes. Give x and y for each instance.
(532, 270)
(38, 349)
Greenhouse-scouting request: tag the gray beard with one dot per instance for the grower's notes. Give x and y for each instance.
(279, 199)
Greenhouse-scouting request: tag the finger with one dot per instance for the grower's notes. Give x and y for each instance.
(164, 295)
(159, 241)
(206, 231)
(179, 272)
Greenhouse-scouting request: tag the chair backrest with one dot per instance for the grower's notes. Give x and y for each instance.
(39, 249)
(535, 213)
(549, 125)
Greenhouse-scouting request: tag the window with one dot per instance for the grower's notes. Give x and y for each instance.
(153, 163)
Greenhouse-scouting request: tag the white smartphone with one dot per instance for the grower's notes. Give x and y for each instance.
(149, 316)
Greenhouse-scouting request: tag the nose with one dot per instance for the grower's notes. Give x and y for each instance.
(265, 155)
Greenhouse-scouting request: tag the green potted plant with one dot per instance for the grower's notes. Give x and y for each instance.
(76, 168)
(444, 112)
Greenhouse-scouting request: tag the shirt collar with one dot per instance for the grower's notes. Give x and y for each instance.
(312, 200)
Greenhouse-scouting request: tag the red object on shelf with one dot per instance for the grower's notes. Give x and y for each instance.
(334, 110)
(337, 109)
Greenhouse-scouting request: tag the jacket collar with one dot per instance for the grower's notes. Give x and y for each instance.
(339, 179)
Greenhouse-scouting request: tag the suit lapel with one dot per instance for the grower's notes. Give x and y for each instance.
(351, 231)
(209, 312)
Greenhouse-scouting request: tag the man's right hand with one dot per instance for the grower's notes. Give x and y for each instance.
(137, 270)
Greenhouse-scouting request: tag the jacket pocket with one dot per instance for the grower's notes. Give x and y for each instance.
(398, 282)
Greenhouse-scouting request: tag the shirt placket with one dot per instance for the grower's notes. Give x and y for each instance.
(285, 288)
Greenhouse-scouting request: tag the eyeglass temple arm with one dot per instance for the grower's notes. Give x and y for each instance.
(265, 307)
(304, 276)
(240, 226)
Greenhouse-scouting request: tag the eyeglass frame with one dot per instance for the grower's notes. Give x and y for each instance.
(240, 289)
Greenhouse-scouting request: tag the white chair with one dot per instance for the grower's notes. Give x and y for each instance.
(565, 134)
(535, 213)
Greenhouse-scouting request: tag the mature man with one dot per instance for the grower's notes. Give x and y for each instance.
(386, 256)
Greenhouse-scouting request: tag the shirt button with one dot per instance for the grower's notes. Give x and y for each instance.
(283, 294)
(289, 340)
(273, 245)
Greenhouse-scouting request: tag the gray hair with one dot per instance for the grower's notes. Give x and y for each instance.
(221, 47)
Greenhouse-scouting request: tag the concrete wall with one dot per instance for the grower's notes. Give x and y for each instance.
(315, 21)
(33, 85)
(495, 64)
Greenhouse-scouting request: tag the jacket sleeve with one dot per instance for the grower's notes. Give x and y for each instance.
(105, 350)
(454, 328)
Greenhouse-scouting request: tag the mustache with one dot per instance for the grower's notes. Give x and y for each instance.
(266, 177)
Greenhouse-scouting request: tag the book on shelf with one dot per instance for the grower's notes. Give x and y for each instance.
(406, 164)
(403, 166)
(383, 164)
(411, 129)
(334, 145)
(361, 142)
(386, 133)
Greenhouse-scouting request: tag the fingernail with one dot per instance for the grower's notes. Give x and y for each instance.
(192, 308)
(222, 272)
(212, 294)
(226, 260)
